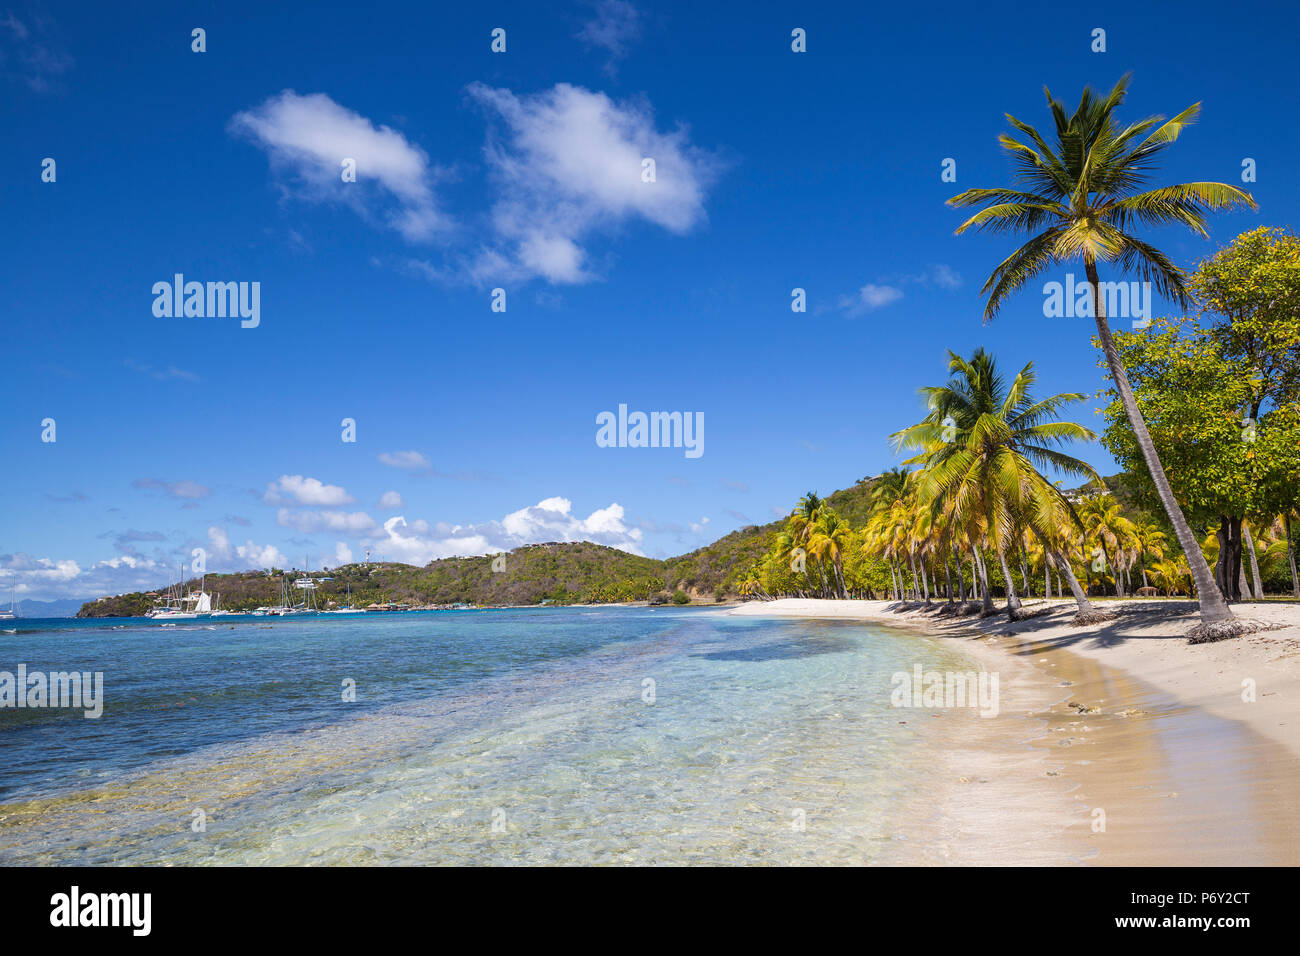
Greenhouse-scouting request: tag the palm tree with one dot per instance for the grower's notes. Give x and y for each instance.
(1104, 522)
(828, 538)
(887, 517)
(801, 522)
(1079, 200)
(982, 445)
(1150, 540)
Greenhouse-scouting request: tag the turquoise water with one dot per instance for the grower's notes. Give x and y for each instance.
(504, 736)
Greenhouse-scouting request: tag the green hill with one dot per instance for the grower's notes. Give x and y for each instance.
(559, 572)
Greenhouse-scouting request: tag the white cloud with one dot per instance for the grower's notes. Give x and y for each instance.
(874, 296)
(342, 554)
(305, 491)
(943, 276)
(218, 541)
(308, 137)
(870, 297)
(242, 557)
(46, 579)
(570, 164)
(263, 556)
(404, 459)
(391, 499)
(339, 522)
(418, 542)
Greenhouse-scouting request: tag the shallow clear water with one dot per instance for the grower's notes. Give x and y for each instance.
(505, 736)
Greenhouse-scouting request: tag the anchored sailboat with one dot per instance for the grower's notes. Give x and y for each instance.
(10, 614)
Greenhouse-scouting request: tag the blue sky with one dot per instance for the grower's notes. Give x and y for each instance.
(520, 170)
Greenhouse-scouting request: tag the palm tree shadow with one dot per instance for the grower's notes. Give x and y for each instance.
(808, 645)
(1143, 623)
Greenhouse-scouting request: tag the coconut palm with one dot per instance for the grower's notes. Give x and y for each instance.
(1080, 198)
(982, 445)
(1105, 524)
(827, 539)
(1150, 540)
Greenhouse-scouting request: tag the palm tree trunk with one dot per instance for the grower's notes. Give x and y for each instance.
(1254, 563)
(985, 594)
(1290, 557)
(925, 582)
(1214, 609)
(947, 576)
(1013, 599)
(1087, 613)
(916, 588)
(1223, 565)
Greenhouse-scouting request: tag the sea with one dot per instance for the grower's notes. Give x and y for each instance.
(568, 735)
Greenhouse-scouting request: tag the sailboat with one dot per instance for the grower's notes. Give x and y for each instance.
(10, 614)
(175, 609)
(348, 608)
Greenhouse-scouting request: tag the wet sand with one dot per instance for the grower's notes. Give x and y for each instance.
(1115, 745)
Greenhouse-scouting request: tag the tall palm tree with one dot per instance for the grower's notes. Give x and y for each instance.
(828, 538)
(982, 445)
(1151, 541)
(1079, 200)
(1104, 522)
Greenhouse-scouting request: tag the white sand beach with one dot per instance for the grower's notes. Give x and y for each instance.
(1118, 743)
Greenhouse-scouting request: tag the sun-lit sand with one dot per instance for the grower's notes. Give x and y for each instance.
(1117, 743)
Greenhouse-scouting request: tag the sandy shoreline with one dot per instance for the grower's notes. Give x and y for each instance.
(1116, 744)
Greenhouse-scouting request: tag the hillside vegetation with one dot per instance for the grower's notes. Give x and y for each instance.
(559, 572)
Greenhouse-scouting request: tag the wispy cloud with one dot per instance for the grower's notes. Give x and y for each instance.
(31, 53)
(307, 139)
(568, 162)
(890, 289)
(336, 522)
(410, 460)
(614, 25)
(176, 489)
(166, 374)
(72, 498)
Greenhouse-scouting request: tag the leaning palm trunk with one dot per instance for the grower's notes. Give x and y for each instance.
(1290, 557)
(1258, 589)
(1087, 613)
(1216, 617)
(1013, 599)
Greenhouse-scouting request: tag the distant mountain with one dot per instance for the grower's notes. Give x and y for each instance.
(559, 572)
(65, 608)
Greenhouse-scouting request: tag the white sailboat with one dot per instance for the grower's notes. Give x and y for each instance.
(175, 609)
(12, 613)
(348, 608)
